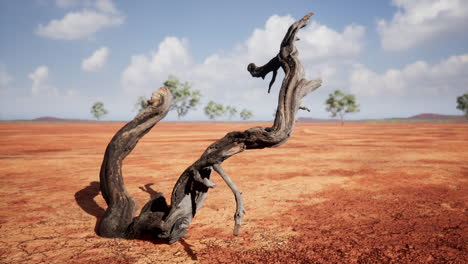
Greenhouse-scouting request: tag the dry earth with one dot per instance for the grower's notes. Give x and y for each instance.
(362, 193)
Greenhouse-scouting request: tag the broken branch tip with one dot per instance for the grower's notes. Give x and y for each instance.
(158, 94)
(236, 229)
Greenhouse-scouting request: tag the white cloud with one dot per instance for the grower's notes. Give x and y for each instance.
(40, 79)
(224, 77)
(96, 61)
(317, 41)
(106, 6)
(5, 78)
(103, 5)
(418, 21)
(265, 41)
(447, 78)
(85, 23)
(148, 72)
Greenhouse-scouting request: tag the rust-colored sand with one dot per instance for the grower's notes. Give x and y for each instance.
(362, 193)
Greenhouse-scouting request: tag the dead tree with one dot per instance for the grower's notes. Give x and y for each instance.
(170, 222)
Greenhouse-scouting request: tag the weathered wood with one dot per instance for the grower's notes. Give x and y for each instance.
(170, 222)
(121, 206)
(240, 210)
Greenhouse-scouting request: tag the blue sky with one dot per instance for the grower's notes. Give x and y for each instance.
(399, 57)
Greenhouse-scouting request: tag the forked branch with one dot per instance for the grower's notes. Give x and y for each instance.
(170, 222)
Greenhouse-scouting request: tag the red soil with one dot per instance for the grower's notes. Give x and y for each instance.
(362, 193)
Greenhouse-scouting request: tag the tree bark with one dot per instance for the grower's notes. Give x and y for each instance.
(170, 222)
(121, 206)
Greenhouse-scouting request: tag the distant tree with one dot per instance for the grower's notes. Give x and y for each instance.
(340, 103)
(98, 110)
(213, 110)
(246, 114)
(184, 98)
(462, 104)
(142, 103)
(231, 110)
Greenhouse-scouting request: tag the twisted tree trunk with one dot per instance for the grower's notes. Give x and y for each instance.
(170, 222)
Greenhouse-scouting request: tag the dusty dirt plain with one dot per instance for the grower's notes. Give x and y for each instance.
(362, 193)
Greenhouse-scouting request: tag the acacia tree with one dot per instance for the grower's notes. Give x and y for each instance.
(462, 104)
(213, 110)
(184, 98)
(246, 114)
(231, 111)
(340, 103)
(98, 110)
(170, 221)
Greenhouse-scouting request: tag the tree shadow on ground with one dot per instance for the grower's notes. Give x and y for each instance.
(187, 247)
(148, 189)
(85, 199)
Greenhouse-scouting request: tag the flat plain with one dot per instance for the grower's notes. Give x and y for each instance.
(361, 193)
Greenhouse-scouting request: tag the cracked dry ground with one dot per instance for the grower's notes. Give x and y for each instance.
(362, 193)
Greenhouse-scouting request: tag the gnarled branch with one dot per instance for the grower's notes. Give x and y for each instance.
(170, 222)
(121, 206)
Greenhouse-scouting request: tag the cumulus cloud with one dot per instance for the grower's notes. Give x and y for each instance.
(103, 5)
(446, 78)
(147, 72)
(418, 21)
(40, 79)
(224, 76)
(96, 61)
(320, 41)
(81, 24)
(5, 78)
(317, 41)
(106, 6)
(264, 42)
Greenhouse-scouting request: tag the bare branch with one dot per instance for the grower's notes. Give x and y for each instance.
(240, 210)
(121, 206)
(170, 222)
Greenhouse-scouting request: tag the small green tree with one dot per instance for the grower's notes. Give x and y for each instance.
(184, 98)
(142, 103)
(213, 110)
(462, 104)
(340, 103)
(231, 110)
(98, 110)
(246, 114)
